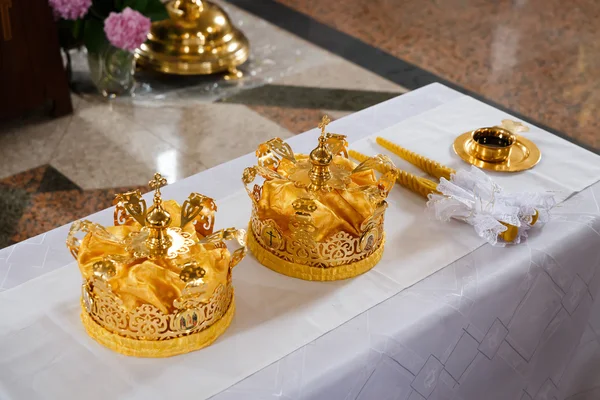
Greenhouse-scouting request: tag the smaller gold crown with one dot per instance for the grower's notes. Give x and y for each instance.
(317, 216)
(158, 282)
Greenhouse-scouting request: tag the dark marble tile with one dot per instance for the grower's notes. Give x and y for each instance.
(54, 181)
(13, 203)
(50, 210)
(303, 97)
(41, 199)
(28, 180)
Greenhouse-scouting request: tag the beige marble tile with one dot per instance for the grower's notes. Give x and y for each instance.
(211, 133)
(101, 149)
(338, 73)
(27, 143)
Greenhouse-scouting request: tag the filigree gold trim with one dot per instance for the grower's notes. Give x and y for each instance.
(85, 226)
(300, 175)
(337, 144)
(135, 243)
(383, 165)
(239, 235)
(201, 209)
(416, 184)
(147, 322)
(130, 206)
(310, 273)
(271, 153)
(339, 249)
(162, 348)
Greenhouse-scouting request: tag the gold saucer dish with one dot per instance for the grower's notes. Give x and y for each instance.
(498, 148)
(198, 39)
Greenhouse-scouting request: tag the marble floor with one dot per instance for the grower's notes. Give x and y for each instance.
(308, 58)
(53, 171)
(537, 58)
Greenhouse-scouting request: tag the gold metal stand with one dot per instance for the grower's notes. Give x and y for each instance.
(198, 39)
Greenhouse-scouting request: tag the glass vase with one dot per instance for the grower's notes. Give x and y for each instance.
(111, 70)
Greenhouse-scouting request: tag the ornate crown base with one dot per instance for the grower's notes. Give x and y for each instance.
(157, 348)
(308, 273)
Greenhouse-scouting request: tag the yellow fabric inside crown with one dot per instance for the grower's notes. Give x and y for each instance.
(155, 282)
(337, 210)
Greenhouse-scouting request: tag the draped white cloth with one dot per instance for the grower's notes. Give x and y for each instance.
(495, 323)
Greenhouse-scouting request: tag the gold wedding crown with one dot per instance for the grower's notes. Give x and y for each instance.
(318, 216)
(158, 282)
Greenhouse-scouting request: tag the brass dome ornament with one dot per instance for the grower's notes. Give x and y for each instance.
(198, 39)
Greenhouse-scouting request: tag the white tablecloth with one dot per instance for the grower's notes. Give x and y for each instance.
(498, 322)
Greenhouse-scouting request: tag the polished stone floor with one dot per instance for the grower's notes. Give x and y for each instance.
(537, 59)
(53, 171)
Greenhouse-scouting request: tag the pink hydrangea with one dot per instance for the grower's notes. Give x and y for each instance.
(127, 30)
(70, 9)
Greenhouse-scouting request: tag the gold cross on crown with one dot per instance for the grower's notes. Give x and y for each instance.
(156, 183)
(324, 122)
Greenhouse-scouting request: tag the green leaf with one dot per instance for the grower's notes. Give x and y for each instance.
(140, 5)
(66, 36)
(156, 10)
(93, 36)
(77, 25)
(129, 3)
(103, 7)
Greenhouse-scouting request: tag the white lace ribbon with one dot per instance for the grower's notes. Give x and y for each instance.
(473, 197)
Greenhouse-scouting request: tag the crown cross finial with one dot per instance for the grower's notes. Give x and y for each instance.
(324, 122)
(158, 220)
(320, 158)
(156, 183)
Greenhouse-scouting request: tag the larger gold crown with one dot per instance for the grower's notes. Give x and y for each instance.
(158, 283)
(318, 216)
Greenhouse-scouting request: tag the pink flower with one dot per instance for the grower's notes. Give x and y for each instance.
(70, 9)
(127, 30)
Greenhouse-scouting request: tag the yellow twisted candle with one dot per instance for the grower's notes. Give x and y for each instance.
(433, 168)
(412, 182)
(416, 184)
(424, 186)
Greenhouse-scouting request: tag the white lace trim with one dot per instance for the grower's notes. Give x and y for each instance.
(472, 196)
